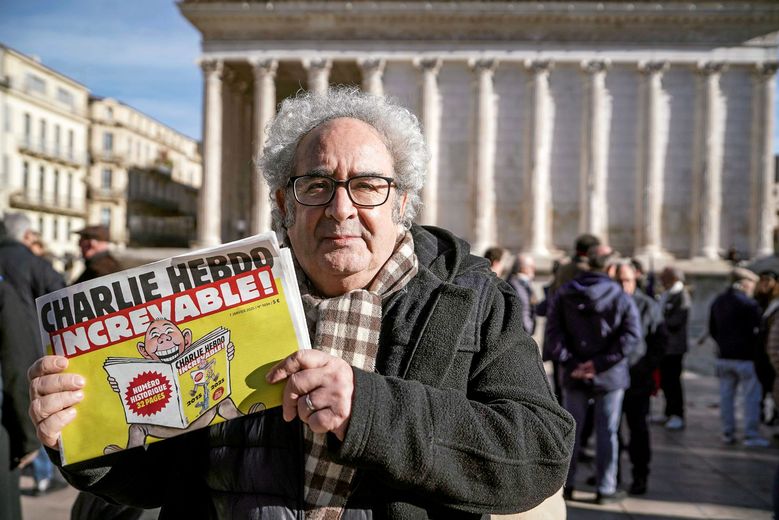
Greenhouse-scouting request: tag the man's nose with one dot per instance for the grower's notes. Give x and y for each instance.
(341, 207)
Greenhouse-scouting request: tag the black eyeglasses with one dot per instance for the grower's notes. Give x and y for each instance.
(365, 190)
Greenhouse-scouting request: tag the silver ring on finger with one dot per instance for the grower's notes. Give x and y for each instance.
(309, 404)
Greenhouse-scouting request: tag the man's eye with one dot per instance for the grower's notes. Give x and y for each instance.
(315, 186)
(169, 330)
(366, 186)
(154, 334)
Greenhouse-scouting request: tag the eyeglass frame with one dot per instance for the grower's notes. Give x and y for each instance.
(337, 183)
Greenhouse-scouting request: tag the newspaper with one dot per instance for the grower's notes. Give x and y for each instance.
(176, 345)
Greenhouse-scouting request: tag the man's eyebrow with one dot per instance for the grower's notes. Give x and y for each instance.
(324, 172)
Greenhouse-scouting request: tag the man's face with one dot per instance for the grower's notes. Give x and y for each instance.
(341, 246)
(626, 277)
(667, 278)
(164, 341)
(765, 286)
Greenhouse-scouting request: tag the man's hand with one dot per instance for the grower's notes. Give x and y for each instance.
(27, 459)
(318, 380)
(584, 371)
(52, 396)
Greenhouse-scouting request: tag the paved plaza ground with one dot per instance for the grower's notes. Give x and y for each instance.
(693, 474)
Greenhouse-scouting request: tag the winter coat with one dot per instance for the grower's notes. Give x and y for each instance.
(592, 319)
(98, 265)
(646, 358)
(676, 309)
(30, 275)
(525, 292)
(457, 420)
(734, 323)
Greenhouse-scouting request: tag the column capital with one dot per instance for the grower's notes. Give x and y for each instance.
(595, 66)
(539, 66)
(765, 70)
(317, 64)
(264, 66)
(710, 68)
(652, 67)
(483, 64)
(428, 64)
(210, 67)
(371, 64)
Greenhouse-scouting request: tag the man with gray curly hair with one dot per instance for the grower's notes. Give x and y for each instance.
(422, 397)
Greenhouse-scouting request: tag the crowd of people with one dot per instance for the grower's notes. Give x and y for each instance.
(616, 335)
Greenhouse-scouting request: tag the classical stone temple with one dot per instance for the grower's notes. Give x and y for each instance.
(647, 123)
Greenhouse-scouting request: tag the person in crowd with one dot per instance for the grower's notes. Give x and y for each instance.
(439, 409)
(95, 244)
(18, 443)
(497, 258)
(643, 361)
(764, 290)
(31, 276)
(521, 279)
(577, 263)
(592, 327)
(734, 324)
(675, 302)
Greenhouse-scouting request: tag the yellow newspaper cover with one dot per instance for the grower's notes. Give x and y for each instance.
(176, 345)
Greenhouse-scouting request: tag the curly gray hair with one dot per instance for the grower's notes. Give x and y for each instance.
(398, 127)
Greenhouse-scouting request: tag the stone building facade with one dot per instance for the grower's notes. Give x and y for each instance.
(43, 156)
(123, 140)
(647, 123)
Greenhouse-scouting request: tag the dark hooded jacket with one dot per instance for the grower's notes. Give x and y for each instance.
(457, 421)
(591, 318)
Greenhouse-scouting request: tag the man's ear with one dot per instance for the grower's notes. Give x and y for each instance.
(142, 350)
(280, 202)
(187, 337)
(403, 205)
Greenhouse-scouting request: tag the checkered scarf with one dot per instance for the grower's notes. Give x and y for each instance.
(348, 327)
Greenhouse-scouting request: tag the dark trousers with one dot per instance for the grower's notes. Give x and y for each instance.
(671, 383)
(636, 409)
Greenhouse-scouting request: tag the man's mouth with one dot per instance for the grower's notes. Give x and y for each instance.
(168, 354)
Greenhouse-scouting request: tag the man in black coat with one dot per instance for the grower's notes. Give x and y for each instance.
(18, 442)
(30, 275)
(94, 242)
(643, 362)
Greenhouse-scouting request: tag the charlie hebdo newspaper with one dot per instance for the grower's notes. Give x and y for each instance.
(175, 345)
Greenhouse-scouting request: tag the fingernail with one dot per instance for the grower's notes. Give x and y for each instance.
(71, 411)
(60, 362)
(79, 381)
(79, 395)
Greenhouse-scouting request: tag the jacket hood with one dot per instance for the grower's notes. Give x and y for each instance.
(443, 253)
(593, 292)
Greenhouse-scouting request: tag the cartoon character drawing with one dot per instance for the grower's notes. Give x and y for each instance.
(202, 377)
(165, 341)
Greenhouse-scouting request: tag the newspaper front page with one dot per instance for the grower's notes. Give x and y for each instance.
(176, 345)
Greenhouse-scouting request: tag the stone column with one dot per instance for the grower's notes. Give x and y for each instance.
(593, 217)
(651, 162)
(318, 74)
(431, 123)
(264, 110)
(372, 75)
(707, 162)
(209, 204)
(538, 160)
(483, 178)
(763, 217)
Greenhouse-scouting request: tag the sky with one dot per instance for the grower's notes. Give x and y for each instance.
(141, 52)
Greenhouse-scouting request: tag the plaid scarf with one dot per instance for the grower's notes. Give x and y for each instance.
(348, 327)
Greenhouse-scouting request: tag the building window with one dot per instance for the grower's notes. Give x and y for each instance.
(71, 139)
(105, 217)
(57, 136)
(68, 229)
(55, 228)
(35, 84)
(25, 176)
(109, 113)
(65, 97)
(7, 121)
(41, 181)
(27, 126)
(105, 178)
(108, 141)
(6, 173)
(40, 227)
(42, 135)
(69, 192)
(56, 190)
